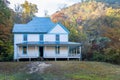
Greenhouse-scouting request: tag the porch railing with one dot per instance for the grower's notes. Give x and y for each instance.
(26, 56)
(74, 55)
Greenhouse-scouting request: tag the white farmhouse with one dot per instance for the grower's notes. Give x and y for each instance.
(42, 38)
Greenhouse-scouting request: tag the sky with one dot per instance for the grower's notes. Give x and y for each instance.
(45, 5)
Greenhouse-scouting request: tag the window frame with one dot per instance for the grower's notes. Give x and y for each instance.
(24, 50)
(57, 37)
(41, 37)
(57, 49)
(25, 37)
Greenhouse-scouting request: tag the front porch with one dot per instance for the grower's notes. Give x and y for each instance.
(67, 50)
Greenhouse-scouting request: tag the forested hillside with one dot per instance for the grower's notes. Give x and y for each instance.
(97, 26)
(110, 1)
(113, 3)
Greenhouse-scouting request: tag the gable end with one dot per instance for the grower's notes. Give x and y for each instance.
(61, 27)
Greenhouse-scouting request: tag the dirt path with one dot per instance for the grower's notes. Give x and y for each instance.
(37, 67)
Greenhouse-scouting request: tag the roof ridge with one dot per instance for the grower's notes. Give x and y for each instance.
(37, 24)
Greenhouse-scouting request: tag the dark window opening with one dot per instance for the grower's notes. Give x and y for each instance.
(24, 49)
(25, 37)
(57, 37)
(41, 37)
(41, 51)
(57, 49)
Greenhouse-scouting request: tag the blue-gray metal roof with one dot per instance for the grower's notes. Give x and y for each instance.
(50, 43)
(36, 25)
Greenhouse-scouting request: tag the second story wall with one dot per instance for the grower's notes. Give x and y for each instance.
(49, 37)
(64, 38)
(19, 38)
(33, 37)
(52, 37)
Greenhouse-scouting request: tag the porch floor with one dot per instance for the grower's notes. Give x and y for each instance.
(69, 56)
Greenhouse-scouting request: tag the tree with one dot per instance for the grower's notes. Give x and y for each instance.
(25, 12)
(29, 8)
(18, 14)
(6, 24)
(4, 12)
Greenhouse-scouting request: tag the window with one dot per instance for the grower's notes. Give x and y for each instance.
(41, 37)
(24, 49)
(57, 49)
(57, 37)
(25, 37)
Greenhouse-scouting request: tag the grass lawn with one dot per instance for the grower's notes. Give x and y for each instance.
(61, 70)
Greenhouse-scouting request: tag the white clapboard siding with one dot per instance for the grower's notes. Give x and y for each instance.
(57, 30)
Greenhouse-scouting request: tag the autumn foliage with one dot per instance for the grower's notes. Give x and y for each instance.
(94, 23)
(6, 23)
(97, 26)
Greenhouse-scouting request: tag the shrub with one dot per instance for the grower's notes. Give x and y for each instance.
(112, 55)
(98, 56)
(6, 57)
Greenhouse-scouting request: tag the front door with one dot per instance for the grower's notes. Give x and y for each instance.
(41, 51)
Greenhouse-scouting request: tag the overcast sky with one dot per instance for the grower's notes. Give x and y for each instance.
(50, 5)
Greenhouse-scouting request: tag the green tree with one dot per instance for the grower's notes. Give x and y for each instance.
(5, 30)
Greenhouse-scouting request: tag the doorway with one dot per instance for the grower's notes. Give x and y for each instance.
(41, 51)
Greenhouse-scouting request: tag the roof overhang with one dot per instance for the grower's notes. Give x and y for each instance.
(49, 44)
(29, 32)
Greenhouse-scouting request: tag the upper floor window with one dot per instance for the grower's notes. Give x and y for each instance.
(25, 37)
(57, 37)
(41, 37)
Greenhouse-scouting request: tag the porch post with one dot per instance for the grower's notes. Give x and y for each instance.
(35, 50)
(28, 55)
(68, 53)
(17, 53)
(55, 55)
(80, 52)
(55, 52)
(76, 51)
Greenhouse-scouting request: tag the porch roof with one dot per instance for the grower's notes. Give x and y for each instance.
(50, 43)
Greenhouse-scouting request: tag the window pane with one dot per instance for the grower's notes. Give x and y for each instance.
(57, 49)
(25, 37)
(57, 37)
(24, 50)
(41, 37)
